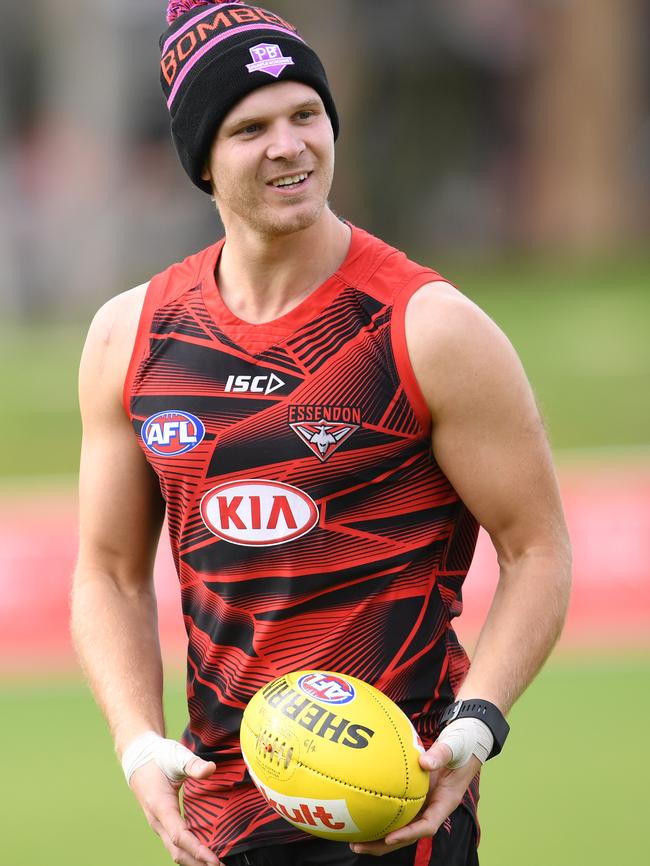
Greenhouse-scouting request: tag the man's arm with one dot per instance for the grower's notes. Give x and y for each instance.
(489, 440)
(120, 513)
(114, 611)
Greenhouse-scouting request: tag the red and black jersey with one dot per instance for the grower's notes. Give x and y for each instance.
(310, 523)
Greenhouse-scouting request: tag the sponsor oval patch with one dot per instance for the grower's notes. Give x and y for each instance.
(327, 688)
(172, 432)
(257, 513)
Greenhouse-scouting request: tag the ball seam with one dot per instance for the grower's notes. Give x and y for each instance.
(353, 787)
(399, 737)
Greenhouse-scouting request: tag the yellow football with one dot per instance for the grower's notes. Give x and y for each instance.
(333, 755)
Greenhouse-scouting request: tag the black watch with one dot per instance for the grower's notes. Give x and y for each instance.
(486, 712)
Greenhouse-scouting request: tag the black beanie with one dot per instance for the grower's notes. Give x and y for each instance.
(213, 55)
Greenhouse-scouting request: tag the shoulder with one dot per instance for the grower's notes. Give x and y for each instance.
(459, 354)
(439, 308)
(119, 312)
(115, 323)
(110, 341)
(118, 318)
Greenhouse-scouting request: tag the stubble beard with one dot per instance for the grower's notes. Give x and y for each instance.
(268, 221)
(245, 203)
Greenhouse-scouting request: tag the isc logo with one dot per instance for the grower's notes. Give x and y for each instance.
(258, 513)
(171, 433)
(327, 688)
(253, 384)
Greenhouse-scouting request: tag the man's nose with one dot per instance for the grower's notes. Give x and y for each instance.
(286, 142)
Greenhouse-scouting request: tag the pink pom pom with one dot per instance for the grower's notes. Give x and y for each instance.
(179, 7)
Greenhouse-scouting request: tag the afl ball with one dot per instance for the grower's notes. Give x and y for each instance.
(333, 756)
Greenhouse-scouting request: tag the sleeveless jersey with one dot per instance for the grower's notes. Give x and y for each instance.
(310, 524)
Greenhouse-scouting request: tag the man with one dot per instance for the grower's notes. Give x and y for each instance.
(325, 423)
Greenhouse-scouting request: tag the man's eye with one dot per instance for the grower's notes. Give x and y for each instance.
(305, 115)
(251, 129)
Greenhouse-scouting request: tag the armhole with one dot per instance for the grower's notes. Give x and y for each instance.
(160, 291)
(141, 342)
(400, 348)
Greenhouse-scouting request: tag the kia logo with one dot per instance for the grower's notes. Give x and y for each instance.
(257, 513)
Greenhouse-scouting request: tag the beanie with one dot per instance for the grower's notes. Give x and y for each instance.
(213, 55)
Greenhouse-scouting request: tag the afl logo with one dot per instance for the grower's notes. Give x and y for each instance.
(258, 513)
(327, 688)
(171, 433)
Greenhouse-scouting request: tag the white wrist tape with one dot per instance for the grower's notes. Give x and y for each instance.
(171, 756)
(467, 737)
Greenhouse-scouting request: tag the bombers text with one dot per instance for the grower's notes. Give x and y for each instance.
(207, 28)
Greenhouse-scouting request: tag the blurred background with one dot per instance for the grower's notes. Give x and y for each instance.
(507, 144)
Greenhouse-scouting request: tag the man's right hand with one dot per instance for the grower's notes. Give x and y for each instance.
(159, 800)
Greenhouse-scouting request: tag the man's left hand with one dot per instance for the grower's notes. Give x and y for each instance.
(446, 789)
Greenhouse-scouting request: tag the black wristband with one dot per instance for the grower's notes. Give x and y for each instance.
(486, 712)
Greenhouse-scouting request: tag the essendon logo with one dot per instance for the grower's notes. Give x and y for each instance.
(324, 429)
(258, 513)
(171, 433)
(183, 48)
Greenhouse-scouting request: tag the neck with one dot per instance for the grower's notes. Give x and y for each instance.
(261, 278)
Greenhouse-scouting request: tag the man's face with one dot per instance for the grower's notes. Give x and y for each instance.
(272, 161)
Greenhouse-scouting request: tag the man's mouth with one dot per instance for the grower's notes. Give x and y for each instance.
(290, 181)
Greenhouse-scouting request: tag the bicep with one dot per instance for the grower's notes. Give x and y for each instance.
(487, 434)
(120, 505)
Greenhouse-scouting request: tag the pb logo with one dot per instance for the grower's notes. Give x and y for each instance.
(268, 58)
(327, 688)
(171, 433)
(258, 513)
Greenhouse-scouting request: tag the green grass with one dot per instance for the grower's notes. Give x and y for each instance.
(570, 788)
(66, 800)
(41, 430)
(581, 331)
(571, 785)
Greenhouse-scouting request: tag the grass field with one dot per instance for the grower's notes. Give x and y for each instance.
(569, 789)
(581, 331)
